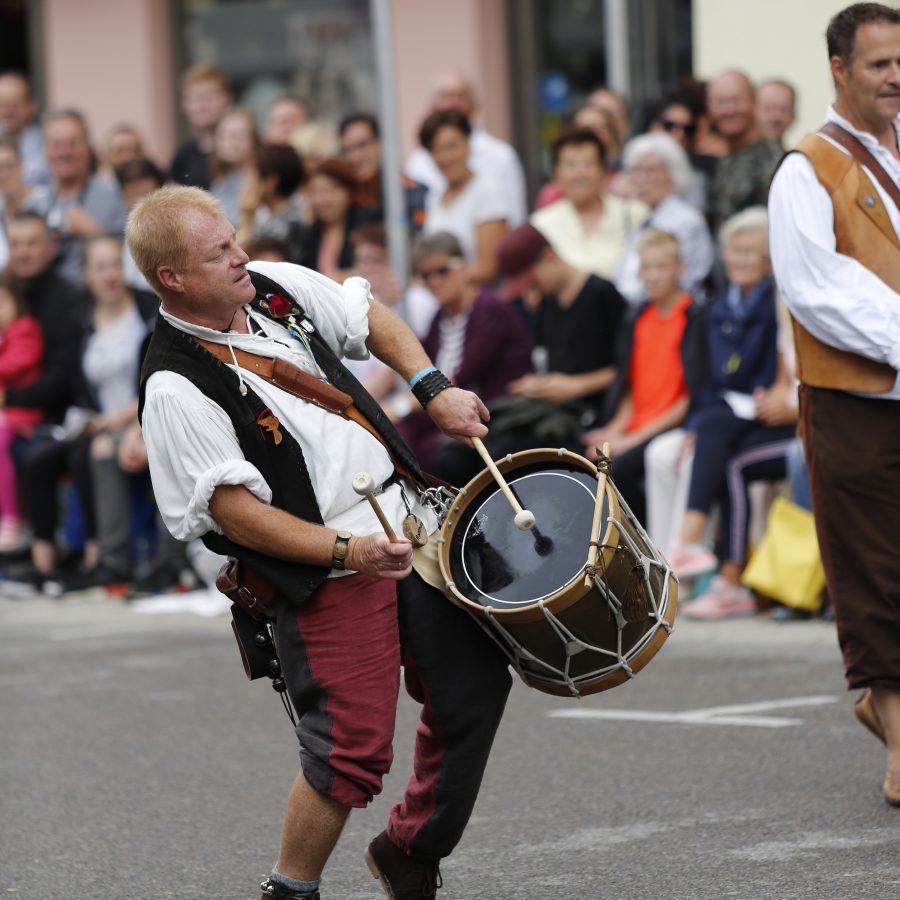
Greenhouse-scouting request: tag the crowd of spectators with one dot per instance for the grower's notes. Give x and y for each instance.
(632, 303)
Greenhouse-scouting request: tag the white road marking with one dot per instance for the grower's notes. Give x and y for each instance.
(712, 715)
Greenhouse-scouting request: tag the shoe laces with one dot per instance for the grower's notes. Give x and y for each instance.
(431, 879)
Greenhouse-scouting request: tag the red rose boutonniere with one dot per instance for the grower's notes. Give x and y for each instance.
(279, 306)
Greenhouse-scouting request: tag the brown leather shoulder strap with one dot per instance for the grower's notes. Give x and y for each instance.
(860, 152)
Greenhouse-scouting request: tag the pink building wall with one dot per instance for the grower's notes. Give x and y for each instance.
(112, 59)
(434, 36)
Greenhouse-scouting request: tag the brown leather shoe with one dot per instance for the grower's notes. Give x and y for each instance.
(892, 787)
(402, 877)
(867, 714)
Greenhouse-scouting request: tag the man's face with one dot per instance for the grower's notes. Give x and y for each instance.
(16, 108)
(68, 152)
(731, 105)
(580, 173)
(284, 118)
(454, 93)
(214, 282)
(31, 248)
(774, 110)
(203, 103)
(362, 150)
(870, 85)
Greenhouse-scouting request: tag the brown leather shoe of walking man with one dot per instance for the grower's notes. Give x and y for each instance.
(402, 877)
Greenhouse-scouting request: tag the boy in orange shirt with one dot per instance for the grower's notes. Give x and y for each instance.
(660, 366)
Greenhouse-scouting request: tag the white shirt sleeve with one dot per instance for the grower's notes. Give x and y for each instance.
(837, 299)
(192, 449)
(340, 312)
(492, 202)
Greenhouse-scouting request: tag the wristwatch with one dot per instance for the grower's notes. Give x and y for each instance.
(341, 547)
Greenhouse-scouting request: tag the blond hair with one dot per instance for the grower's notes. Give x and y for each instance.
(157, 232)
(665, 240)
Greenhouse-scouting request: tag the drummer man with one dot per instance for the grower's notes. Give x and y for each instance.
(266, 476)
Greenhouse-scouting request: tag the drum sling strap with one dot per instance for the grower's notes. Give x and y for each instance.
(298, 383)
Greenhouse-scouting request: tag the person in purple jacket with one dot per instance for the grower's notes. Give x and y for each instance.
(479, 341)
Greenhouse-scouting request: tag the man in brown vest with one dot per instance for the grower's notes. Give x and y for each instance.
(835, 219)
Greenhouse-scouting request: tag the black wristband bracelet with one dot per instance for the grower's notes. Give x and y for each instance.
(430, 386)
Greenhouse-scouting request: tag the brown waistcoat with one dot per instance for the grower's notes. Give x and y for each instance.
(863, 231)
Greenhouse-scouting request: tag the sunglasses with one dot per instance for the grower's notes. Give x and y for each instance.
(669, 125)
(438, 272)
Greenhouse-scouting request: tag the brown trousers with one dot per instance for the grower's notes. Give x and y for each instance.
(853, 449)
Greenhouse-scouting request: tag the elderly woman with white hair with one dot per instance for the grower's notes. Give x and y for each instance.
(736, 434)
(659, 174)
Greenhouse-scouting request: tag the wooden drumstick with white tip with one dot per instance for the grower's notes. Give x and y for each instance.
(524, 517)
(593, 550)
(364, 484)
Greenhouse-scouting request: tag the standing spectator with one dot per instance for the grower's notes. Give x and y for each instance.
(656, 373)
(21, 354)
(614, 103)
(284, 116)
(489, 155)
(478, 341)
(205, 95)
(266, 207)
(742, 175)
(470, 206)
(660, 175)
(15, 193)
(331, 195)
(17, 120)
(232, 159)
(836, 250)
(589, 227)
(58, 308)
(81, 204)
(137, 178)
(776, 109)
(361, 147)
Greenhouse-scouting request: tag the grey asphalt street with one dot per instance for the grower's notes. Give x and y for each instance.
(136, 762)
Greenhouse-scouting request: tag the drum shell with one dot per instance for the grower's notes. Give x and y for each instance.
(583, 611)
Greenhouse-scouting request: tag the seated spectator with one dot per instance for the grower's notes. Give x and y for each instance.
(370, 260)
(137, 178)
(657, 368)
(234, 144)
(776, 109)
(738, 417)
(18, 120)
(742, 175)
(123, 144)
(205, 95)
(660, 176)
(21, 355)
(15, 193)
(471, 207)
(58, 308)
(108, 406)
(82, 204)
(589, 227)
(476, 340)
(267, 210)
(283, 117)
(335, 216)
(361, 147)
(488, 155)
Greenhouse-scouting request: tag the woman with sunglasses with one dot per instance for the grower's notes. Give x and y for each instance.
(479, 341)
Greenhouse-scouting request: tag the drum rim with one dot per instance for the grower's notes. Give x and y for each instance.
(571, 590)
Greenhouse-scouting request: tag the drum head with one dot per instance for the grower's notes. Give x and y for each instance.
(494, 564)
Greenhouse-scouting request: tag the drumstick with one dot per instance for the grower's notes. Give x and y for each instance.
(364, 484)
(524, 517)
(598, 514)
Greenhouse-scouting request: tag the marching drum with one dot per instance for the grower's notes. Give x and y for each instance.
(568, 626)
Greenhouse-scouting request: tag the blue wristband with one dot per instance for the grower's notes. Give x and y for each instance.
(420, 375)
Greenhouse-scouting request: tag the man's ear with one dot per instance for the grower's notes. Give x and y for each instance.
(838, 70)
(170, 279)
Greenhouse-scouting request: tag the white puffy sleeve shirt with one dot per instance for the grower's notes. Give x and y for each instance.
(191, 443)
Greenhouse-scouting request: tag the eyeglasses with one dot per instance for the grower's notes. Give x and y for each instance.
(671, 125)
(438, 272)
(347, 149)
